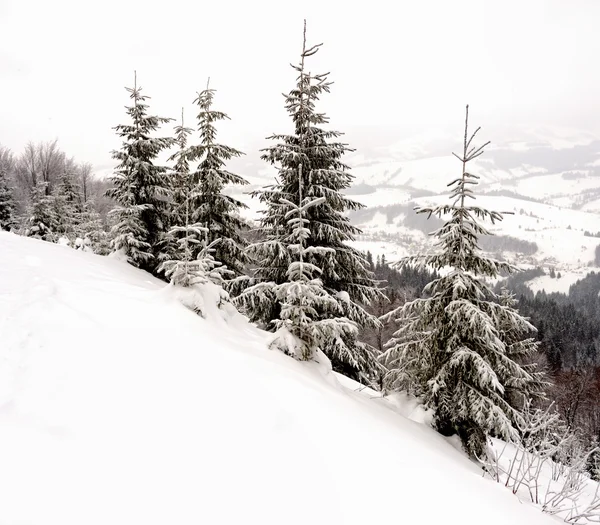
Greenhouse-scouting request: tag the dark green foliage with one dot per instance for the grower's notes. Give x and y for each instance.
(398, 286)
(7, 203)
(66, 206)
(216, 211)
(323, 175)
(140, 187)
(588, 233)
(568, 325)
(91, 233)
(462, 348)
(41, 216)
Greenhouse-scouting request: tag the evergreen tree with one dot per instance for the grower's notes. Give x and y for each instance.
(345, 272)
(191, 262)
(41, 216)
(66, 206)
(191, 258)
(219, 213)
(7, 203)
(90, 232)
(181, 190)
(181, 178)
(310, 319)
(459, 346)
(141, 188)
(520, 348)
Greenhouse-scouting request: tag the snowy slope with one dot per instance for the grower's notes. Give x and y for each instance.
(119, 406)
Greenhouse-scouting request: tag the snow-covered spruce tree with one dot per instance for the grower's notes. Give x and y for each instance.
(90, 232)
(344, 271)
(181, 189)
(181, 178)
(210, 206)
(310, 319)
(520, 348)
(41, 215)
(459, 348)
(7, 203)
(191, 262)
(141, 188)
(66, 206)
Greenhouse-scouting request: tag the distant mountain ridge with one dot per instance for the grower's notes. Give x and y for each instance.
(547, 181)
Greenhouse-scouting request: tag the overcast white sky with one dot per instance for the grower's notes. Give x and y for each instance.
(399, 67)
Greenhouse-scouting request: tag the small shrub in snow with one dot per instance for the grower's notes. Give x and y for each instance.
(548, 466)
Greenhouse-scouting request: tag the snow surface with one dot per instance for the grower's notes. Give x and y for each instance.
(119, 406)
(562, 285)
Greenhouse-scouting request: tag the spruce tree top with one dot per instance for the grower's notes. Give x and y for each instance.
(141, 187)
(138, 151)
(211, 154)
(218, 212)
(182, 181)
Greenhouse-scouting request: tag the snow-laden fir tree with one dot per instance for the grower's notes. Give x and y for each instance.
(91, 234)
(191, 262)
(141, 187)
(310, 318)
(344, 270)
(211, 207)
(181, 190)
(40, 213)
(66, 205)
(520, 347)
(181, 178)
(461, 348)
(7, 202)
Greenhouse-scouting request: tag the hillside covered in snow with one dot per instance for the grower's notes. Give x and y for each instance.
(118, 405)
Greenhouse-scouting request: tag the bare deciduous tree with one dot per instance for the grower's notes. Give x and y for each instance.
(41, 163)
(85, 175)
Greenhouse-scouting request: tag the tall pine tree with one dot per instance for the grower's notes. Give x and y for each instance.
(181, 178)
(7, 203)
(191, 259)
(141, 187)
(41, 216)
(461, 347)
(345, 273)
(310, 318)
(190, 263)
(90, 231)
(66, 205)
(216, 211)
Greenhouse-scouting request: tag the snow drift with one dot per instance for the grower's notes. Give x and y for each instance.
(119, 406)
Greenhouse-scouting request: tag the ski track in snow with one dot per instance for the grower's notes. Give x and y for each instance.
(119, 406)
